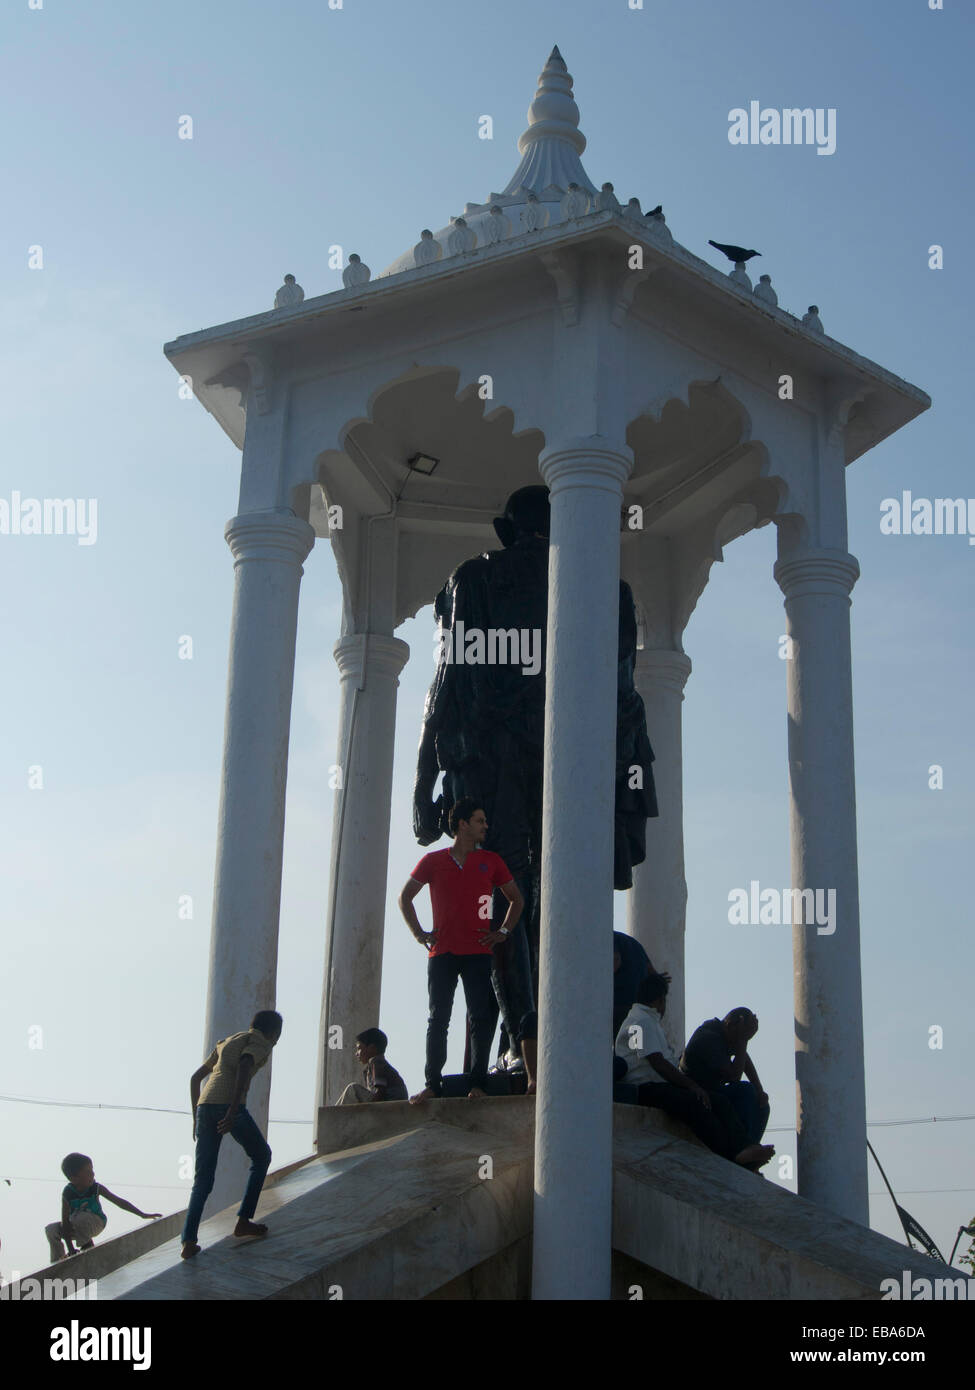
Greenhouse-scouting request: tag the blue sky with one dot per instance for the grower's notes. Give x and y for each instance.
(358, 127)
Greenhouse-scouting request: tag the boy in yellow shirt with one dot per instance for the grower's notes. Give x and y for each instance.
(218, 1110)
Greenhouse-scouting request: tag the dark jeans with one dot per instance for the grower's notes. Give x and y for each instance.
(744, 1100)
(442, 975)
(250, 1139)
(495, 1084)
(719, 1127)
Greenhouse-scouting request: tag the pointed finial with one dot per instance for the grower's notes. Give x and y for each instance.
(811, 319)
(553, 107)
(551, 146)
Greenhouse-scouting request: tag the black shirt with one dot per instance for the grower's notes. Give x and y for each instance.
(706, 1052)
(634, 967)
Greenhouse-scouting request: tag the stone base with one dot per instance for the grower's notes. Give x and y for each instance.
(435, 1202)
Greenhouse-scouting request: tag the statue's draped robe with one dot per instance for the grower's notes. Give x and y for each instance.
(484, 728)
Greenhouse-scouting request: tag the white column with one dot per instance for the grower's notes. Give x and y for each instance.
(573, 1136)
(657, 903)
(268, 550)
(831, 1119)
(369, 665)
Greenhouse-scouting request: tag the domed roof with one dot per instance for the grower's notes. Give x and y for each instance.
(549, 186)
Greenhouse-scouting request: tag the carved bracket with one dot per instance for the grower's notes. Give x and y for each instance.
(260, 379)
(842, 397)
(565, 272)
(627, 289)
(251, 375)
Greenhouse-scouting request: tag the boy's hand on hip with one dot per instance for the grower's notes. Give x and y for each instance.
(225, 1125)
(492, 938)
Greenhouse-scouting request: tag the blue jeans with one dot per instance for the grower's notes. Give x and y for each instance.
(250, 1139)
(744, 1099)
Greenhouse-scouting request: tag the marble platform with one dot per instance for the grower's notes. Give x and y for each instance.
(435, 1201)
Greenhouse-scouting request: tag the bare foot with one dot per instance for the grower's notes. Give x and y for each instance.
(248, 1228)
(190, 1248)
(530, 1089)
(475, 1093)
(755, 1155)
(425, 1094)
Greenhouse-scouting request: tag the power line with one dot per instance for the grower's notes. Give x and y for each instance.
(917, 1191)
(97, 1105)
(163, 1110)
(877, 1124)
(183, 1187)
(160, 1186)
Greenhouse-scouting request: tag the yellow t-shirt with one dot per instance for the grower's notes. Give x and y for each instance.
(225, 1059)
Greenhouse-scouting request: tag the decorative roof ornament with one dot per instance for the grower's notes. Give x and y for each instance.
(355, 273)
(550, 187)
(497, 227)
(533, 215)
(289, 294)
(739, 276)
(427, 249)
(575, 203)
(462, 238)
(551, 146)
(606, 200)
(764, 291)
(811, 319)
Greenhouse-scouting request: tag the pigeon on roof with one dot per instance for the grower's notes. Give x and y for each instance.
(738, 254)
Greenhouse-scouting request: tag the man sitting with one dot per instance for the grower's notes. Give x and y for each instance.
(715, 1058)
(651, 1066)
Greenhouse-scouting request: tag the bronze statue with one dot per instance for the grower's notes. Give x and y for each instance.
(484, 722)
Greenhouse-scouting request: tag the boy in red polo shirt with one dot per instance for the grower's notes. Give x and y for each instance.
(462, 881)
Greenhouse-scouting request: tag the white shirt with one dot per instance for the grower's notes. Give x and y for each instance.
(641, 1034)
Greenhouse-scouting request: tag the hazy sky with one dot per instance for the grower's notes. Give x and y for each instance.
(358, 127)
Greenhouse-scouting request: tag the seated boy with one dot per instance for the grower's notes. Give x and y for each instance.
(82, 1217)
(382, 1081)
(652, 1067)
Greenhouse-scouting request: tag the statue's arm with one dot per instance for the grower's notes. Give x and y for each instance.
(426, 811)
(627, 652)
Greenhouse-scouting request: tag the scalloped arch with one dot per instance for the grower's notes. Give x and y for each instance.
(421, 372)
(678, 392)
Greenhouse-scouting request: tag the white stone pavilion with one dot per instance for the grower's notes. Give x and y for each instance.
(550, 332)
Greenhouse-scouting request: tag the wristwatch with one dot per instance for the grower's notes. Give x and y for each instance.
(504, 931)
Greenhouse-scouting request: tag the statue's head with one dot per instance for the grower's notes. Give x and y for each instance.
(526, 513)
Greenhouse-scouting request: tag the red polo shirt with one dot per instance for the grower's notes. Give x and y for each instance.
(461, 898)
